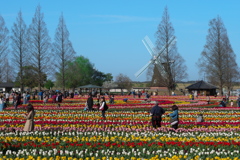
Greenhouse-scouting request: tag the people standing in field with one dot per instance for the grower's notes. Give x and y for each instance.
(27, 97)
(54, 98)
(90, 102)
(7, 95)
(1, 102)
(174, 119)
(139, 94)
(156, 113)
(133, 93)
(231, 103)
(29, 125)
(111, 100)
(71, 95)
(223, 103)
(24, 97)
(103, 107)
(17, 100)
(45, 99)
(208, 99)
(59, 98)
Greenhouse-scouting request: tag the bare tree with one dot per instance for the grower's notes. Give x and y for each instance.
(40, 46)
(63, 50)
(4, 38)
(124, 82)
(19, 46)
(172, 64)
(8, 71)
(217, 60)
(232, 69)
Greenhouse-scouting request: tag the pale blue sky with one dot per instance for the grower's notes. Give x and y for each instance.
(110, 32)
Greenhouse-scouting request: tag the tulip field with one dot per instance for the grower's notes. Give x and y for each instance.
(70, 133)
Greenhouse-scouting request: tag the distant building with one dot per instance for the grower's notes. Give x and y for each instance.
(202, 87)
(7, 87)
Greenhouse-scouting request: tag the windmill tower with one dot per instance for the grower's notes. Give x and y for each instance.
(157, 61)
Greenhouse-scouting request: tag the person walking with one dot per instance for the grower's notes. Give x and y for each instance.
(156, 113)
(103, 107)
(90, 102)
(29, 125)
(174, 117)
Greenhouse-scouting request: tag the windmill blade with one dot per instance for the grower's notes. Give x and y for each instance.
(149, 45)
(138, 73)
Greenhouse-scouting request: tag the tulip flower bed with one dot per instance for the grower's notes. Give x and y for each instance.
(69, 132)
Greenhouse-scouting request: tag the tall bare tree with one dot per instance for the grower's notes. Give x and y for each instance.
(232, 69)
(40, 46)
(19, 46)
(217, 59)
(63, 50)
(4, 38)
(8, 72)
(172, 64)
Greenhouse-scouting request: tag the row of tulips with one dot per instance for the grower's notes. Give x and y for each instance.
(209, 114)
(94, 145)
(217, 115)
(52, 106)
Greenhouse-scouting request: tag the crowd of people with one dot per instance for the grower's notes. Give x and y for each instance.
(57, 97)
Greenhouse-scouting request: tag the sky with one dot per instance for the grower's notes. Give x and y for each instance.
(109, 32)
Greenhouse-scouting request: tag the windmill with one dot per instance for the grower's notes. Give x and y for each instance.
(156, 56)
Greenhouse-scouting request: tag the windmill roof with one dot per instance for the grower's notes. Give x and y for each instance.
(201, 85)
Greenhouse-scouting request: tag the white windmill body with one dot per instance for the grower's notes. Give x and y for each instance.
(156, 55)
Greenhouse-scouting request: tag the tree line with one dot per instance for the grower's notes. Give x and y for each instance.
(32, 60)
